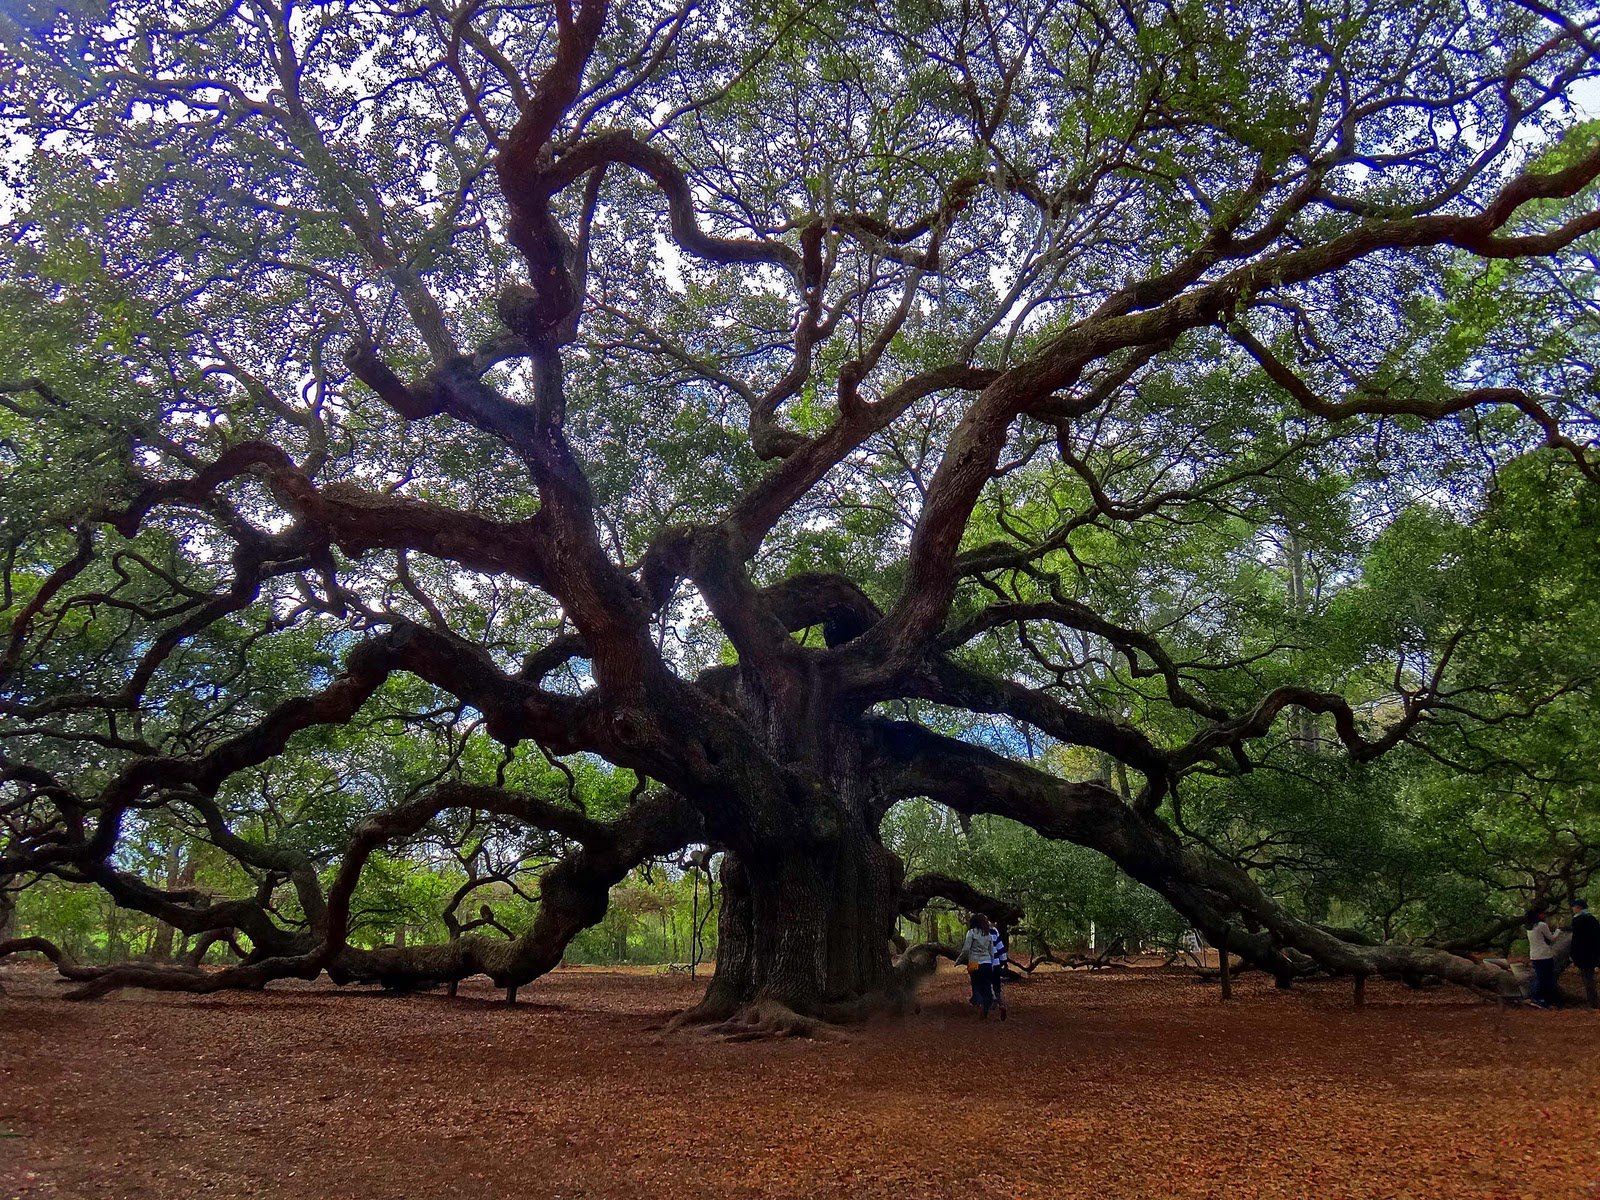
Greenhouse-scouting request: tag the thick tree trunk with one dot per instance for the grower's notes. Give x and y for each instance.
(810, 895)
(807, 930)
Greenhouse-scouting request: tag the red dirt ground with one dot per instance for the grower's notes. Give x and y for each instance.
(1133, 1084)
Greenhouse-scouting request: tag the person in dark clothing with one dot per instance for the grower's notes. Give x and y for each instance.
(998, 958)
(1586, 947)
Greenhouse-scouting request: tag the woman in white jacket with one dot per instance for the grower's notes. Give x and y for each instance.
(976, 952)
(1543, 945)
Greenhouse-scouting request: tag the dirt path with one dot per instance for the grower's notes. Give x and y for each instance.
(1112, 1085)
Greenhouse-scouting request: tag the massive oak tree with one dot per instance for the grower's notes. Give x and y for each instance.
(741, 396)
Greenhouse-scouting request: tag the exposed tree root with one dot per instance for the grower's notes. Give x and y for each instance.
(718, 1015)
(769, 1018)
(764, 1020)
(711, 1010)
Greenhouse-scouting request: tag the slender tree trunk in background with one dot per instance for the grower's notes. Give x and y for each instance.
(694, 927)
(1124, 787)
(162, 942)
(116, 947)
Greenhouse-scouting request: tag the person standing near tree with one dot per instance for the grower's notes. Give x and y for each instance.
(997, 969)
(976, 952)
(1586, 947)
(1542, 957)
